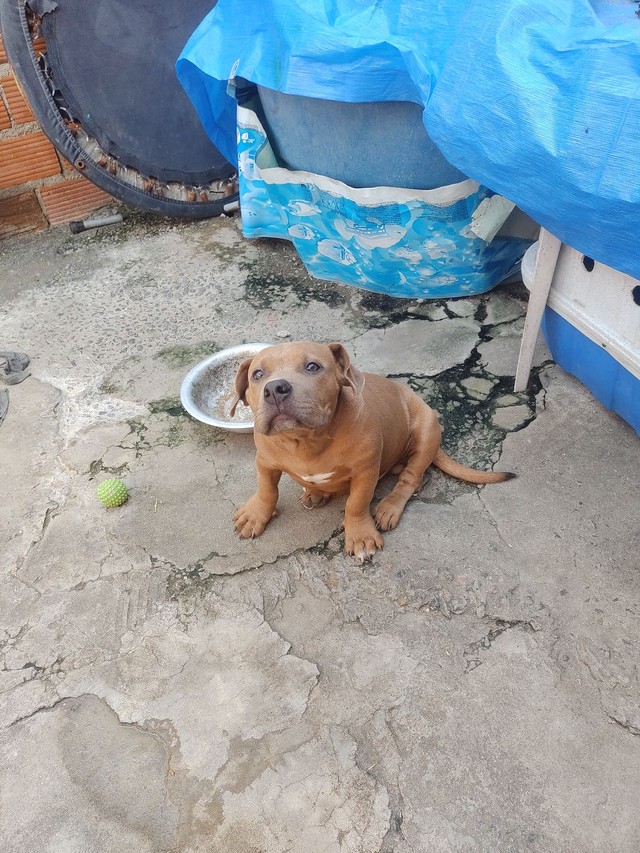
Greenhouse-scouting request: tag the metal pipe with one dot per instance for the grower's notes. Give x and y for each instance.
(80, 225)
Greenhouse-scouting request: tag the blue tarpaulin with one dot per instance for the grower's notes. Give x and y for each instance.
(539, 100)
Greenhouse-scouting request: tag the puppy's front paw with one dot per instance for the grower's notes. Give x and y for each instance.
(252, 518)
(362, 540)
(387, 513)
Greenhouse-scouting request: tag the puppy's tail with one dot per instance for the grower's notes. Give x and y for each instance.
(470, 475)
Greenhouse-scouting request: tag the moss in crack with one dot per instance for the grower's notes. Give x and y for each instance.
(174, 426)
(477, 411)
(383, 303)
(172, 414)
(169, 406)
(98, 467)
(265, 290)
(473, 652)
(394, 834)
(138, 437)
(231, 255)
(379, 311)
(167, 425)
(207, 436)
(331, 548)
(181, 579)
(172, 436)
(182, 355)
(277, 279)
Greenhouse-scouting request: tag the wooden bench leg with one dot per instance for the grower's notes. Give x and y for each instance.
(546, 259)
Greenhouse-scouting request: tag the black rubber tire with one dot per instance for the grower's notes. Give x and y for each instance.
(19, 48)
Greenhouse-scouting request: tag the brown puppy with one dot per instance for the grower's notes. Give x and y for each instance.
(336, 431)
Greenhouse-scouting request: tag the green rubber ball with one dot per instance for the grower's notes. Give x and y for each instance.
(112, 493)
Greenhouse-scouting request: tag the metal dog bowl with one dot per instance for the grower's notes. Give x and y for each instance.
(208, 390)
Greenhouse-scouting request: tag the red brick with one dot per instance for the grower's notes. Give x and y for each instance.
(21, 213)
(3, 55)
(39, 46)
(5, 121)
(67, 168)
(25, 158)
(71, 199)
(18, 106)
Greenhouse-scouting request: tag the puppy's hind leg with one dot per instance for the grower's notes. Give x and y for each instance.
(425, 441)
(313, 501)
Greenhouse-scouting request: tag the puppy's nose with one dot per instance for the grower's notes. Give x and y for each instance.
(277, 390)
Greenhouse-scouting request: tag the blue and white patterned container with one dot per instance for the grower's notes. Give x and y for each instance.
(402, 242)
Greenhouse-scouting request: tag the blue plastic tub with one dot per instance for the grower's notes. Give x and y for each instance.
(399, 241)
(608, 380)
(363, 144)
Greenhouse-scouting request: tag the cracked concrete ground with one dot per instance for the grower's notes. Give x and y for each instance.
(167, 687)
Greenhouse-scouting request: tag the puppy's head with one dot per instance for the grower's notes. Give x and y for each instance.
(295, 386)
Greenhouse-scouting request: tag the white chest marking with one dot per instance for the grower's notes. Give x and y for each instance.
(317, 479)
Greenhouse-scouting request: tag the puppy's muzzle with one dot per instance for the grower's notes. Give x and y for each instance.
(277, 391)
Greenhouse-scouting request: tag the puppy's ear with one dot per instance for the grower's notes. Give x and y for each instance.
(351, 376)
(242, 383)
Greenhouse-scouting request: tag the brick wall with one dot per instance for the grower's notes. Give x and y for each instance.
(38, 187)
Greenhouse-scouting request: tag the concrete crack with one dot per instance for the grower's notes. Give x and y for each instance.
(491, 519)
(182, 578)
(16, 575)
(38, 711)
(625, 724)
(472, 652)
(394, 833)
(34, 670)
(50, 513)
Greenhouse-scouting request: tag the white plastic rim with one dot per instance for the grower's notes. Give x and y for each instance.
(597, 303)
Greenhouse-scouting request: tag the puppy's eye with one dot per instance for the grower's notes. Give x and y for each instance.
(257, 375)
(312, 367)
